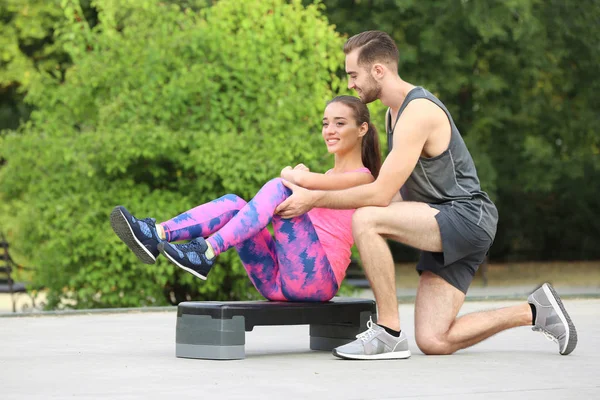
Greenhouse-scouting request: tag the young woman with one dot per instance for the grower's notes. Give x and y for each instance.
(307, 258)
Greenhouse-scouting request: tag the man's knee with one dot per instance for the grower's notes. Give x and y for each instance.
(432, 344)
(363, 220)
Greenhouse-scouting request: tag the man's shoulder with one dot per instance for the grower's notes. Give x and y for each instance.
(423, 110)
(422, 103)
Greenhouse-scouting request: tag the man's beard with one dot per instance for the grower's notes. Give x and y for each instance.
(372, 93)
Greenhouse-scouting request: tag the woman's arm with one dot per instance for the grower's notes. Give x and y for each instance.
(315, 181)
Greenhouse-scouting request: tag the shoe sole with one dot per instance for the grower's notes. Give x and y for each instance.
(124, 231)
(571, 340)
(191, 271)
(396, 355)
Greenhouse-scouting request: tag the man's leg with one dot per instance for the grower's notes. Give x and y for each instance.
(438, 331)
(437, 328)
(411, 223)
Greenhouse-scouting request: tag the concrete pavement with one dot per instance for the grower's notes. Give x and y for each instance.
(131, 355)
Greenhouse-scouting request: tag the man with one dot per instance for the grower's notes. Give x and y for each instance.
(427, 196)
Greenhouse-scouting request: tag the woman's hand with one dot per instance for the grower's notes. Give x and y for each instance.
(294, 175)
(285, 170)
(301, 167)
(287, 173)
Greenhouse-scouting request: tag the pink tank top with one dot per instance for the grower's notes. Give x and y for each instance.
(334, 229)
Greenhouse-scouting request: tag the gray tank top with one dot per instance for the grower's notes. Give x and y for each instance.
(450, 178)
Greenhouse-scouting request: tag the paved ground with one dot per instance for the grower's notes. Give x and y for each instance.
(131, 355)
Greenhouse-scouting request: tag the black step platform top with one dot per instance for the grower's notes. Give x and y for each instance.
(339, 310)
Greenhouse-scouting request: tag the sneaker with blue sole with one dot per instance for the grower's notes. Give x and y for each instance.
(138, 234)
(190, 256)
(552, 319)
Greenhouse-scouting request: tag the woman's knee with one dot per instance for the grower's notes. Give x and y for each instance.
(234, 198)
(276, 183)
(276, 189)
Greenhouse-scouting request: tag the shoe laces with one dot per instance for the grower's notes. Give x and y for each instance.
(151, 223)
(194, 246)
(369, 333)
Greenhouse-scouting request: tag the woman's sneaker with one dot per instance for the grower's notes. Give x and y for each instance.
(138, 234)
(190, 256)
(552, 319)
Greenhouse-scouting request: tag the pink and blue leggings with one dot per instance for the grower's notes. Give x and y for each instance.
(292, 266)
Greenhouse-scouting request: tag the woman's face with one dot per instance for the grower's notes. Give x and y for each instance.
(340, 130)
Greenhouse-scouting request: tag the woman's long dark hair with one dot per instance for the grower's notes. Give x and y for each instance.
(371, 155)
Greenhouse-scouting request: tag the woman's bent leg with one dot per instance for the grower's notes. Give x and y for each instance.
(305, 271)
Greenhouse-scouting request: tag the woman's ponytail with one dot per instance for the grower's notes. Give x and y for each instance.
(371, 155)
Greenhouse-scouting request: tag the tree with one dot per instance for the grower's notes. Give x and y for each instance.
(163, 108)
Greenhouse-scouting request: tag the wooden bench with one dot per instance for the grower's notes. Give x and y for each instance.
(7, 265)
(216, 330)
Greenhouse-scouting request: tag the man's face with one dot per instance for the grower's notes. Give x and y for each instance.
(361, 80)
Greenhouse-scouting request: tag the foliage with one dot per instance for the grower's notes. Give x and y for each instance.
(161, 117)
(25, 47)
(162, 105)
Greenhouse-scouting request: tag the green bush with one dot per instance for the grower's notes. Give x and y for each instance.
(162, 109)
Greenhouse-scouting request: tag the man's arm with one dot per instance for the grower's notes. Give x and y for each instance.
(397, 197)
(410, 135)
(395, 170)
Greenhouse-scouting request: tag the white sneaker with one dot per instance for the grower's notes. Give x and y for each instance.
(552, 318)
(374, 344)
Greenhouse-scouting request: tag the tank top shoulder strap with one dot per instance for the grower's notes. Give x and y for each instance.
(421, 93)
(361, 169)
(415, 93)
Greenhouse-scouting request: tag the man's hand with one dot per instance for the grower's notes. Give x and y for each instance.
(300, 202)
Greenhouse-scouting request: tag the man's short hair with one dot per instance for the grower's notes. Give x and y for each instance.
(374, 46)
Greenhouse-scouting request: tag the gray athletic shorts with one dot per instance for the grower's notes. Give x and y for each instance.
(464, 247)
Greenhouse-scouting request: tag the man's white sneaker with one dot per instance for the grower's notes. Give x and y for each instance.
(374, 344)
